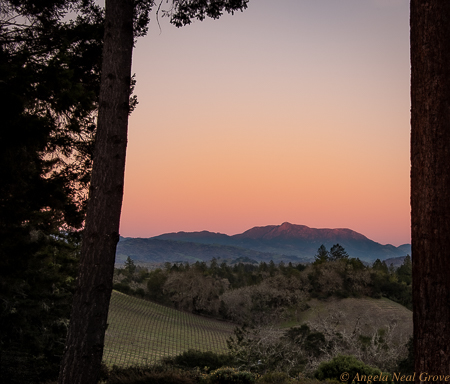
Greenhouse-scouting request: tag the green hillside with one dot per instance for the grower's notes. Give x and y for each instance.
(142, 332)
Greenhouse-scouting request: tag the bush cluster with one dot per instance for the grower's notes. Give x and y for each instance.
(349, 369)
(195, 366)
(205, 360)
(227, 375)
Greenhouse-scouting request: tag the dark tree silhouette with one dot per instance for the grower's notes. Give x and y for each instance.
(337, 252)
(84, 344)
(123, 18)
(49, 82)
(322, 255)
(430, 183)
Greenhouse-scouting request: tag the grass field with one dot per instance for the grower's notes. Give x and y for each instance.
(141, 332)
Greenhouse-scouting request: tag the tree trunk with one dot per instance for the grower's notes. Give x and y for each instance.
(84, 345)
(430, 184)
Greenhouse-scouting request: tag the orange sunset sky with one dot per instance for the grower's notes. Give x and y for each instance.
(293, 110)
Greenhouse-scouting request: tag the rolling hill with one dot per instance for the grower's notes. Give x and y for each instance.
(141, 332)
(365, 314)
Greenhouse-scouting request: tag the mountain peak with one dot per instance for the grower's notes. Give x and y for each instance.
(287, 241)
(295, 231)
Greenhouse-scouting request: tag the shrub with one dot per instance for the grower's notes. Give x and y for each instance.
(193, 358)
(140, 292)
(154, 375)
(348, 368)
(406, 365)
(228, 375)
(275, 378)
(123, 287)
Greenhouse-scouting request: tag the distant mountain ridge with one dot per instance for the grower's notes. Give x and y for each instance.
(159, 251)
(287, 242)
(294, 231)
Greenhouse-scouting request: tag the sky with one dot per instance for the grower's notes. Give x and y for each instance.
(293, 110)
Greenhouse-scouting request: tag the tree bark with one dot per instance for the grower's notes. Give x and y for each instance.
(84, 345)
(430, 184)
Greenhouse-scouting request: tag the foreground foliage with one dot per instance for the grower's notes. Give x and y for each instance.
(207, 360)
(349, 369)
(157, 374)
(166, 374)
(342, 368)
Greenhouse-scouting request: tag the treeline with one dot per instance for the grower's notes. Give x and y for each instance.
(258, 294)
